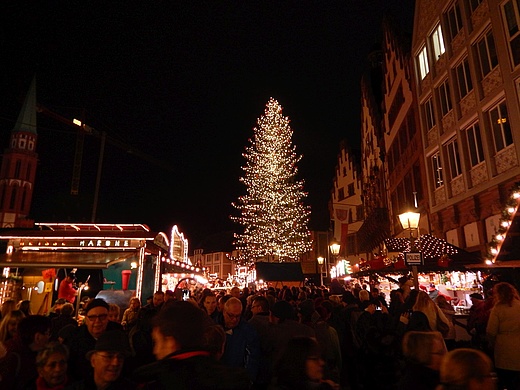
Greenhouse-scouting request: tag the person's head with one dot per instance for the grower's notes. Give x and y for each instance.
(442, 302)
(8, 306)
(134, 303)
(232, 312)
(424, 348)
(25, 307)
(222, 301)
(215, 341)
(34, 331)
(113, 312)
(235, 292)
(67, 310)
(209, 303)
(96, 317)
(423, 301)
(51, 364)
(108, 356)
(9, 325)
(281, 311)
(364, 295)
(71, 277)
(59, 304)
(169, 295)
(467, 369)
(158, 298)
(301, 362)
(259, 304)
(179, 325)
(374, 292)
(505, 293)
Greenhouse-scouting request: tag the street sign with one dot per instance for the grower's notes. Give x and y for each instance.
(413, 258)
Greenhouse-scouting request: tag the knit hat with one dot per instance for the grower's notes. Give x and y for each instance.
(112, 341)
(96, 302)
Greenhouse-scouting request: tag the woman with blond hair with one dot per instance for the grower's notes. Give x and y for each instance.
(436, 318)
(503, 331)
(467, 369)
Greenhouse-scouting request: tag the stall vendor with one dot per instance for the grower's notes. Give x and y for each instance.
(66, 289)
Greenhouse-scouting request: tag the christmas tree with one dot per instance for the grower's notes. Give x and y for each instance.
(273, 216)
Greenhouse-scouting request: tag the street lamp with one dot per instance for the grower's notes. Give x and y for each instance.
(321, 260)
(410, 221)
(334, 247)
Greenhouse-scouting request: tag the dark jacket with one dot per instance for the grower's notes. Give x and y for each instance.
(185, 370)
(89, 384)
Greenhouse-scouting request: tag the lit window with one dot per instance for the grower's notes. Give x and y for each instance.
(438, 43)
(424, 68)
(438, 180)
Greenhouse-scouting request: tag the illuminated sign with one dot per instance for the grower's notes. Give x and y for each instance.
(80, 244)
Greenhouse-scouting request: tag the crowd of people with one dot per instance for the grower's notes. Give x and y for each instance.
(288, 338)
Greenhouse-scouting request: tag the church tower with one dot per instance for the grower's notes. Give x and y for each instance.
(18, 170)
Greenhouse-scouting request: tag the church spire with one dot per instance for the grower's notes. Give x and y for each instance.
(26, 121)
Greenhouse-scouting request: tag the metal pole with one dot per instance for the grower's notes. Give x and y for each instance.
(321, 274)
(98, 177)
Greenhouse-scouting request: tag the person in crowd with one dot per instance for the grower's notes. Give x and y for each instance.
(56, 309)
(478, 319)
(169, 295)
(66, 289)
(25, 307)
(364, 299)
(503, 330)
(260, 322)
(131, 314)
(114, 312)
(51, 364)
(377, 298)
(235, 292)
(183, 361)
(449, 313)
(423, 353)
(8, 306)
(301, 367)
(327, 337)
(9, 325)
(64, 319)
(436, 318)
(107, 359)
(208, 303)
(215, 341)
(242, 343)
(82, 339)
(406, 284)
(18, 367)
(467, 369)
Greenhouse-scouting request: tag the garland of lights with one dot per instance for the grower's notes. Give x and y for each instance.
(273, 216)
(505, 223)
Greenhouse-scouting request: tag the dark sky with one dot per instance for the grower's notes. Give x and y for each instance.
(184, 82)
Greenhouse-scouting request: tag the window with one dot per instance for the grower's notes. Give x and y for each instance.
(512, 21)
(445, 98)
(487, 53)
(424, 68)
(464, 78)
(476, 151)
(501, 127)
(473, 4)
(350, 189)
(454, 20)
(452, 150)
(17, 167)
(438, 180)
(341, 193)
(359, 213)
(438, 43)
(429, 117)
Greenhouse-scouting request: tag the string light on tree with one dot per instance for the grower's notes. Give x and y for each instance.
(272, 213)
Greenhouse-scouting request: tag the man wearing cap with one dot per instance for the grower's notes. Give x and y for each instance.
(66, 289)
(107, 359)
(82, 339)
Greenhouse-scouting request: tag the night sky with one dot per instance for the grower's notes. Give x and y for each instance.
(177, 86)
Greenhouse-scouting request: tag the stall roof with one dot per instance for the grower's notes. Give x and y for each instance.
(510, 248)
(49, 259)
(278, 272)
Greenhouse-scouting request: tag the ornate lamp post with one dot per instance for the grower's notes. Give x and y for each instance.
(410, 221)
(334, 248)
(321, 261)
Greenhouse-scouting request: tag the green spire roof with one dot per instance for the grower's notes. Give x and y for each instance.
(27, 118)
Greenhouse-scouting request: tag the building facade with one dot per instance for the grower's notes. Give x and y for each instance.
(466, 57)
